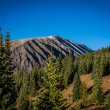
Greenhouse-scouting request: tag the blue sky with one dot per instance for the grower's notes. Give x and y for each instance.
(82, 21)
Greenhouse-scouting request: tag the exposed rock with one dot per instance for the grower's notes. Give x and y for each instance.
(28, 52)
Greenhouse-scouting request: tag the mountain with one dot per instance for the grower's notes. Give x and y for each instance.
(27, 52)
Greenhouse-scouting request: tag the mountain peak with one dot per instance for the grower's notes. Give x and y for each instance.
(28, 52)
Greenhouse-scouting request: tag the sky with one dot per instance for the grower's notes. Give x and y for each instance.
(81, 21)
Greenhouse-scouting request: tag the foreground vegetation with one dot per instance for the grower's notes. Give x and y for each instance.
(41, 88)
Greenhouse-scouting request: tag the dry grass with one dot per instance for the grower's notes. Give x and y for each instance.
(67, 93)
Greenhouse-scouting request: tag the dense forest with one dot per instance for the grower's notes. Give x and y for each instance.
(42, 87)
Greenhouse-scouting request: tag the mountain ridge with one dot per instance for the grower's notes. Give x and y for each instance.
(28, 52)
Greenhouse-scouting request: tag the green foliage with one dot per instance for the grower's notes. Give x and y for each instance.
(32, 81)
(51, 99)
(58, 64)
(18, 77)
(43, 101)
(22, 101)
(76, 88)
(7, 43)
(97, 78)
(7, 85)
(107, 102)
(67, 69)
(57, 74)
(83, 92)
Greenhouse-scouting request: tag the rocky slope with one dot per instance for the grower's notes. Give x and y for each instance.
(27, 52)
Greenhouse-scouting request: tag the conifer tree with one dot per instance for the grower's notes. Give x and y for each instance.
(83, 91)
(22, 101)
(58, 64)
(51, 99)
(97, 78)
(7, 44)
(67, 65)
(7, 85)
(82, 65)
(89, 63)
(76, 88)
(18, 77)
(32, 81)
(107, 102)
(103, 64)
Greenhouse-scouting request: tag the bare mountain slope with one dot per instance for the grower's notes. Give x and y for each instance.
(27, 52)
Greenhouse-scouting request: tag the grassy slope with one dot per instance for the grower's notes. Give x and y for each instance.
(67, 93)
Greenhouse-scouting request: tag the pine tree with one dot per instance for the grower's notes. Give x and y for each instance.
(67, 66)
(76, 88)
(18, 77)
(97, 78)
(107, 102)
(7, 85)
(58, 64)
(51, 99)
(82, 65)
(103, 64)
(43, 101)
(89, 63)
(22, 101)
(83, 92)
(32, 81)
(7, 44)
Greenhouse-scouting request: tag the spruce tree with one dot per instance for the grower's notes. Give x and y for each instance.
(97, 79)
(58, 63)
(67, 66)
(83, 92)
(107, 102)
(76, 88)
(7, 44)
(7, 85)
(32, 81)
(103, 64)
(18, 77)
(43, 101)
(51, 99)
(22, 101)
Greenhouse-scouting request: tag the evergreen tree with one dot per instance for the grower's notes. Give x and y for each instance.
(7, 85)
(107, 102)
(82, 65)
(51, 99)
(18, 77)
(22, 101)
(7, 44)
(58, 64)
(76, 88)
(97, 78)
(67, 66)
(83, 91)
(89, 63)
(103, 64)
(32, 81)
(43, 101)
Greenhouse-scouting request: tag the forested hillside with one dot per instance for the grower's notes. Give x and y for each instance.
(42, 88)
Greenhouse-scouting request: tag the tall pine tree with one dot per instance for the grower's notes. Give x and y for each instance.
(107, 102)
(97, 79)
(76, 88)
(51, 99)
(7, 85)
(22, 101)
